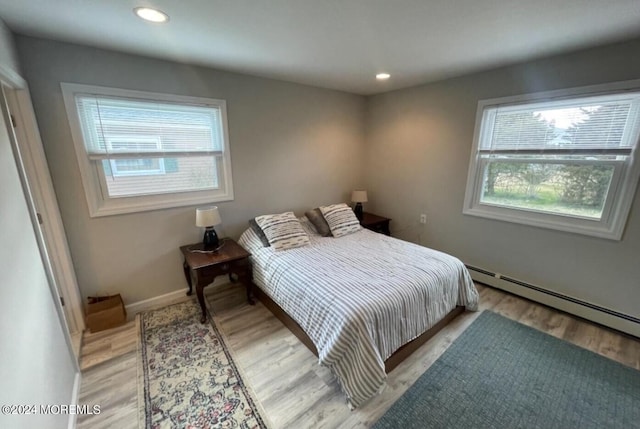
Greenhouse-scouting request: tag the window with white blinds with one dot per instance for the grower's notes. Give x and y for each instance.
(143, 151)
(562, 160)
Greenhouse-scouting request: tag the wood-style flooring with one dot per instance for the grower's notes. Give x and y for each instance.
(293, 389)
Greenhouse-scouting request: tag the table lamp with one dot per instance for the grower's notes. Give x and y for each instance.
(358, 197)
(208, 217)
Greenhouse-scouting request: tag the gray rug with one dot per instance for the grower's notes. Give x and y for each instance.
(501, 374)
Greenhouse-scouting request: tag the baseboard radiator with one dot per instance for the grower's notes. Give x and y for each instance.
(595, 313)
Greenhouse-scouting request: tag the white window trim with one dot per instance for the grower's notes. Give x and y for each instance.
(100, 204)
(619, 199)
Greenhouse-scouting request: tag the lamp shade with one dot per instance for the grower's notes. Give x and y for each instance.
(359, 196)
(208, 216)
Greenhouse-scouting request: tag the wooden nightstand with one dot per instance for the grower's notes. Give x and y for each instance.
(376, 223)
(202, 268)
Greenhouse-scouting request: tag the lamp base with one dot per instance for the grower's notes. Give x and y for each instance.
(358, 211)
(210, 239)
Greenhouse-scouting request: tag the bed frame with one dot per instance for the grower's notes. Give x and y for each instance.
(394, 360)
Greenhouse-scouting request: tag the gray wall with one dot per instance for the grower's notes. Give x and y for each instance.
(36, 364)
(418, 149)
(293, 147)
(8, 56)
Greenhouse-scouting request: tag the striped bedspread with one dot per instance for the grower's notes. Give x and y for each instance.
(361, 297)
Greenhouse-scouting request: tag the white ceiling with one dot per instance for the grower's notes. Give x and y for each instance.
(338, 44)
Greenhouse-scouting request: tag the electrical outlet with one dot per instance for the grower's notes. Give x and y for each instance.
(423, 218)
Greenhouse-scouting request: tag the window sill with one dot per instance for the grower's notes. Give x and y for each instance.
(116, 206)
(559, 223)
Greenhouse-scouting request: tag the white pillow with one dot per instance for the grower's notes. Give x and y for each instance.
(283, 230)
(341, 219)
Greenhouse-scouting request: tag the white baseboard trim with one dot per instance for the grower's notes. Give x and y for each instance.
(567, 304)
(75, 395)
(159, 301)
(156, 302)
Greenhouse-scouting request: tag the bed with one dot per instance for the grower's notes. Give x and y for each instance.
(360, 299)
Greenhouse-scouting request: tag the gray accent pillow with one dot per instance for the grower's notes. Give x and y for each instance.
(321, 225)
(259, 232)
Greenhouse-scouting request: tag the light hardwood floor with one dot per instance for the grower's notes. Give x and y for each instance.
(293, 389)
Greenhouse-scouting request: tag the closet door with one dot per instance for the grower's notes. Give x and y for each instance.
(17, 106)
(38, 366)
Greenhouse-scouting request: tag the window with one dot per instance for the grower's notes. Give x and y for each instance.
(144, 151)
(564, 160)
(133, 167)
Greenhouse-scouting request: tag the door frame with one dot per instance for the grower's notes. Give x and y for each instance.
(54, 240)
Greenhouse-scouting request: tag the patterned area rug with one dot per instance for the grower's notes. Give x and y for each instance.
(502, 374)
(186, 374)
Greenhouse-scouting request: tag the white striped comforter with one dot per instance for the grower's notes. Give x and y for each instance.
(361, 297)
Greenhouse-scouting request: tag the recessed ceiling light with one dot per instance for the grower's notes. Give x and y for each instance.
(153, 15)
(383, 76)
